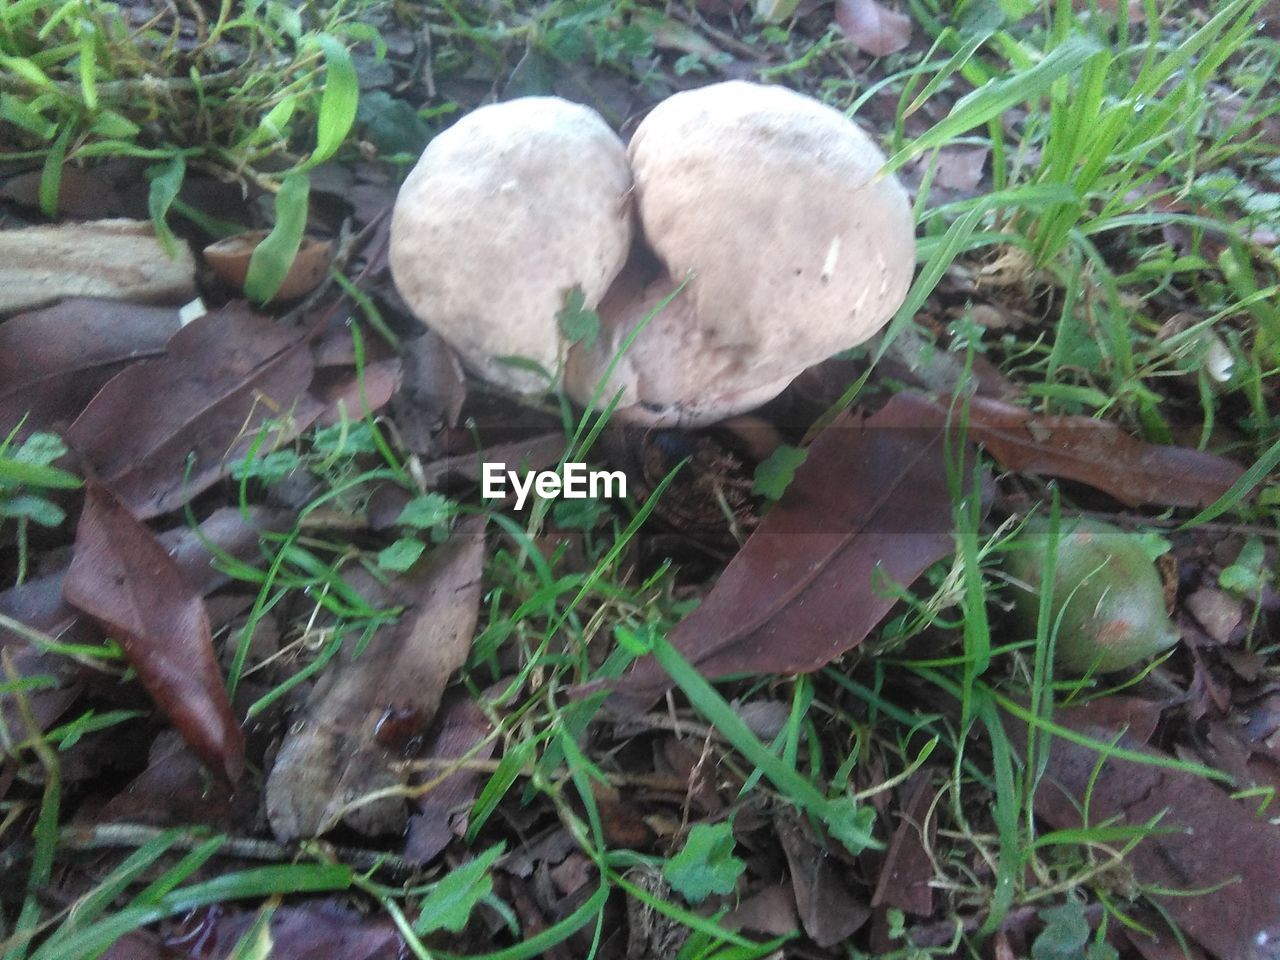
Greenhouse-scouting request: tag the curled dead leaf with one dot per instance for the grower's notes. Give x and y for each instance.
(229, 259)
(162, 431)
(872, 27)
(123, 577)
(1097, 453)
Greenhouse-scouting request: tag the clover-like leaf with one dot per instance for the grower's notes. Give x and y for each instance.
(706, 865)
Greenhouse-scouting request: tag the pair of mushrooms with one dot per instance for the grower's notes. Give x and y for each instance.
(767, 206)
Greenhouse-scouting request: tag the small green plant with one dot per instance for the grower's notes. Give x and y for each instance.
(705, 864)
(27, 474)
(449, 901)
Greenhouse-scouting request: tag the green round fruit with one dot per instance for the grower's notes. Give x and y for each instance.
(1107, 598)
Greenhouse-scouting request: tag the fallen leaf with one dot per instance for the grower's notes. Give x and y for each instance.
(122, 576)
(907, 869)
(112, 259)
(173, 792)
(82, 194)
(960, 168)
(671, 34)
(53, 361)
(223, 377)
(872, 28)
(1215, 844)
(432, 392)
(353, 395)
(339, 751)
(1165, 945)
(229, 258)
(828, 909)
(870, 505)
(39, 604)
(313, 930)
(771, 911)
(462, 729)
(1097, 453)
(1216, 611)
(541, 452)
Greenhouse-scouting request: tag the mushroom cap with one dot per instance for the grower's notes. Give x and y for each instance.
(793, 245)
(504, 214)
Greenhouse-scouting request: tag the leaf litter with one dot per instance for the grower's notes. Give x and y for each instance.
(53, 361)
(1204, 841)
(369, 706)
(163, 430)
(1085, 451)
(869, 508)
(123, 577)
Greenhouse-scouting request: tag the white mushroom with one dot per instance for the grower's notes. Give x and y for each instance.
(507, 212)
(793, 244)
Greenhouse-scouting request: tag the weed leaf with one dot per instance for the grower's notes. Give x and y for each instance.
(273, 257)
(339, 101)
(451, 899)
(706, 865)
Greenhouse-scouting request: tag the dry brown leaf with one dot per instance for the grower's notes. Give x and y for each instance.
(907, 869)
(53, 361)
(354, 394)
(122, 576)
(828, 909)
(222, 378)
(230, 258)
(1096, 453)
(111, 259)
(432, 392)
(872, 27)
(340, 750)
(462, 730)
(39, 604)
(869, 506)
(960, 168)
(326, 929)
(1207, 842)
(771, 911)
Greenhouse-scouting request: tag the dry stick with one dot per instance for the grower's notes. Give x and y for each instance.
(113, 835)
(648, 781)
(147, 85)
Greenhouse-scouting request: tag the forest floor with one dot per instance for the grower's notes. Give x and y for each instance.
(828, 683)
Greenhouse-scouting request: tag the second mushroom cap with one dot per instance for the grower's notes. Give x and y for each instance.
(793, 244)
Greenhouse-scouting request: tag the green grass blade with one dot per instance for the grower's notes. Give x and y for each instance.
(711, 705)
(338, 102)
(976, 108)
(1240, 489)
(273, 257)
(51, 173)
(165, 184)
